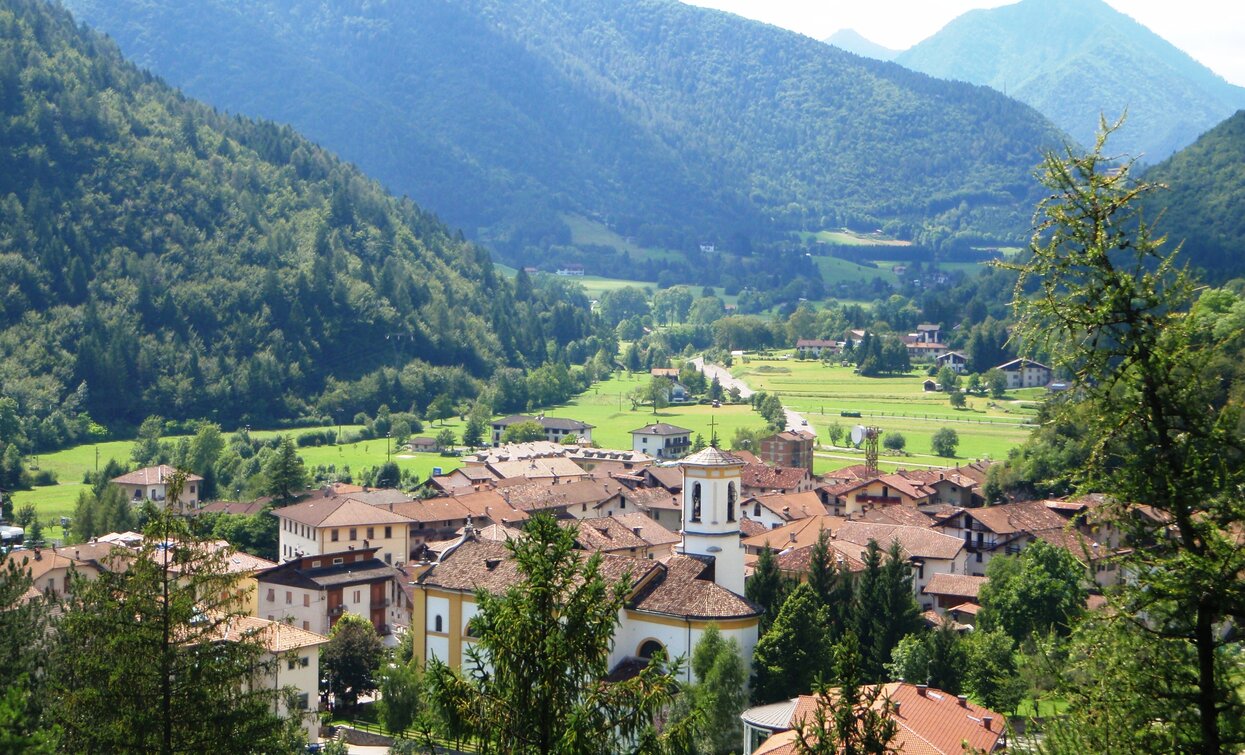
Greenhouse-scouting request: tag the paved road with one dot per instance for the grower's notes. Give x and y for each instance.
(795, 420)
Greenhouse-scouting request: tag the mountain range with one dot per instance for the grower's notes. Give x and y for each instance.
(670, 124)
(1074, 60)
(159, 256)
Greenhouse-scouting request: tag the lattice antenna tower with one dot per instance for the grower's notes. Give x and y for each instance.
(871, 449)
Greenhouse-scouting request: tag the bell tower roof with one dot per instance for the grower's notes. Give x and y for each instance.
(712, 457)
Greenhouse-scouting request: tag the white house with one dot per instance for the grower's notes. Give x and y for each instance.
(152, 483)
(313, 592)
(661, 440)
(557, 429)
(1025, 373)
(955, 360)
(325, 525)
(292, 660)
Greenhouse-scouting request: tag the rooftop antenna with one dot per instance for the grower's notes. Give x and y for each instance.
(871, 449)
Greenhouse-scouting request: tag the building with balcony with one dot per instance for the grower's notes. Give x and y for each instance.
(152, 484)
(314, 591)
(662, 441)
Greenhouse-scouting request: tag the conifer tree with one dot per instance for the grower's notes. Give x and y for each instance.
(767, 588)
(794, 653)
(285, 473)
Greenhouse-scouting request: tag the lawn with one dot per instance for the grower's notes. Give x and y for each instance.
(71, 464)
(835, 270)
(895, 404)
(605, 405)
(590, 232)
(845, 237)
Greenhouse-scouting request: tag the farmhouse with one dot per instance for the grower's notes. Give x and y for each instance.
(807, 348)
(954, 360)
(951, 590)
(1025, 373)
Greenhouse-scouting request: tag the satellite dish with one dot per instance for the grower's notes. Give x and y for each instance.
(858, 434)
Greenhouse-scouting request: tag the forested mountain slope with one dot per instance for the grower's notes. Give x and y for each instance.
(852, 41)
(669, 123)
(1203, 203)
(157, 256)
(1075, 59)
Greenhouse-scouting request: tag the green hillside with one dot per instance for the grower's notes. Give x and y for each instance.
(157, 256)
(671, 125)
(1203, 201)
(1075, 59)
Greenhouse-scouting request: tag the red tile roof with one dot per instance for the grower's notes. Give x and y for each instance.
(955, 585)
(152, 476)
(765, 477)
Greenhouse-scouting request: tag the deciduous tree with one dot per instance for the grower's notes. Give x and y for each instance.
(350, 659)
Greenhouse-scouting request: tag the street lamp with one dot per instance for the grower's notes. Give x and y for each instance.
(387, 447)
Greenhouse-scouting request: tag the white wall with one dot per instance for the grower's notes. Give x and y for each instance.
(307, 609)
(295, 537)
(305, 679)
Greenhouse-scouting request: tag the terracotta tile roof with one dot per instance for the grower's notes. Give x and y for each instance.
(930, 722)
(532, 496)
(749, 528)
(795, 534)
(275, 636)
(916, 542)
(670, 478)
(1006, 519)
(472, 564)
(39, 562)
(339, 512)
(329, 574)
(537, 449)
(558, 466)
(853, 472)
(234, 508)
(652, 532)
(711, 457)
(549, 423)
(682, 589)
(746, 456)
(653, 498)
(447, 509)
(488, 504)
(380, 496)
(788, 506)
(152, 476)
(765, 477)
(896, 514)
(955, 585)
(605, 534)
(969, 608)
(798, 560)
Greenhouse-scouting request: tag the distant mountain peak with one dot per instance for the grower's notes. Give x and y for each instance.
(854, 42)
(1088, 59)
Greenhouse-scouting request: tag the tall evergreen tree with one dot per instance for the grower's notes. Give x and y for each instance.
(148, 658)
(851, 718)
(884, 607)
(767, 588)
(794, 653)
(285, 473)
(720, 693)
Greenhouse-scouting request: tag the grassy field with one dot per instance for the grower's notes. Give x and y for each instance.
(835, 270)
(72, 464)
(585, 231)
(605, 405)
(986, 428)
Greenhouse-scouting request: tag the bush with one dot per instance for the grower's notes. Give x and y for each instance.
(316, 438)
(42, 478)
(895, 441)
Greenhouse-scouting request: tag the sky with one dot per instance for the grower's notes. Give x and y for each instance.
(1212, 31)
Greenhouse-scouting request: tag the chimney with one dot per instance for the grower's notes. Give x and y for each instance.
(986, 721)
(896, 704)
(635, 531)
(963, 700)
(491, 564)
(921, 689)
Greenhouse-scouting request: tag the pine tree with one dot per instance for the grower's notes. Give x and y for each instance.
(285, 473)
(793, 654)
(720, 693)
(767, 588)
(850, 718)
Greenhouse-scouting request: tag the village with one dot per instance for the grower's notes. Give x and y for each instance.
(685, 527)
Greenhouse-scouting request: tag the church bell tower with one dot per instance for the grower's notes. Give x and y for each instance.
(712, 481)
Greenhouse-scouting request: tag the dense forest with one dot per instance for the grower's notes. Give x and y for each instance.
(670, 124)
(1089, 60)
(1202, 204)
(157, 256)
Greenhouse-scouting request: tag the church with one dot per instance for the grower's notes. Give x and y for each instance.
(670, 602)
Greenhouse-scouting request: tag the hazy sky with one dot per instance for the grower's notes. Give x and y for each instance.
(1212, 31)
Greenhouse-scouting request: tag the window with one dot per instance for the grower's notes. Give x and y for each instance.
(303, 701)
(696, 502)
(316, 564)
(756, 509)
(388, 558)
(272, 594)
(388, 531)
(371, 533)
(730, 501)
(650, 648)
(356, 596)
(354, 533)
(437, 624)
(306, 600)
(291, 664)
(333, 536)
(307, 625)
(289, 597)
(339, 560)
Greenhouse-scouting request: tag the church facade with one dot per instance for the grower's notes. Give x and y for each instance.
(670, 603)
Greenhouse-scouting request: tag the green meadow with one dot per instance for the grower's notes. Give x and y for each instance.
(986, 428)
